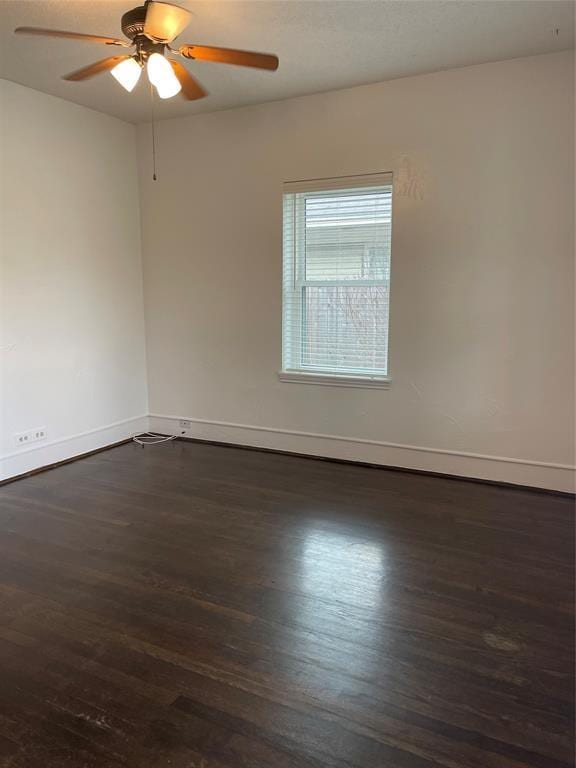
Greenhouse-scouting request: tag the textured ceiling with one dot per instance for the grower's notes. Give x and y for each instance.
(323, 45)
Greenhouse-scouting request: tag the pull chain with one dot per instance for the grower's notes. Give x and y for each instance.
(153, 134)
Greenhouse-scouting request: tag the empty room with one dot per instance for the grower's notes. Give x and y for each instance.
(287, 384)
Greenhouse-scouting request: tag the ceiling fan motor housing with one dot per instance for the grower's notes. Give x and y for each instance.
(133, 22)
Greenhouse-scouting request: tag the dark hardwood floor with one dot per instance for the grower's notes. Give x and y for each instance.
(190, 605)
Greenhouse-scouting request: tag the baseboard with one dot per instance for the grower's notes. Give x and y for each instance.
(21, 462)
(511, 471)
(535, 474)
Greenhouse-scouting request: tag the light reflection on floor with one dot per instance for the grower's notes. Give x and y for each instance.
(326, 650)
(338, 589)
(342, 568)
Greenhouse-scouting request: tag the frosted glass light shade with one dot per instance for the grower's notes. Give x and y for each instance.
(127, 73)
(161, 75)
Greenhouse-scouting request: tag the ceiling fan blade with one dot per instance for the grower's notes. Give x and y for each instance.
(230, 56)
(70, 35)
(191, 88)
(164, 21)
(104, 65)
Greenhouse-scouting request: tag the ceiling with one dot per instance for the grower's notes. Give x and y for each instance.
(322, 44)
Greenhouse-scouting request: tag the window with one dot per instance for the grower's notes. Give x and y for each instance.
(336, 280)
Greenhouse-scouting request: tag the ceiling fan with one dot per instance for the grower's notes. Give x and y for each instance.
(150, 29)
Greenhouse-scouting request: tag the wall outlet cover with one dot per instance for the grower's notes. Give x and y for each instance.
(22, 439)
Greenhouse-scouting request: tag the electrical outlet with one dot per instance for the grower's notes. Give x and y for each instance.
(184, 424)
(31, 436)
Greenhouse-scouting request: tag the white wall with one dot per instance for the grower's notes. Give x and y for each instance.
(71, 322)
(482, 323)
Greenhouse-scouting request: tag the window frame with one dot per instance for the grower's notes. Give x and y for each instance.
(295, 196)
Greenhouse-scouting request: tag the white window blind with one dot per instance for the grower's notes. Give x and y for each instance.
(336, 278)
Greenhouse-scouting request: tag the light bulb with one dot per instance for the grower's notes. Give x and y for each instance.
(127, 73)
(161, 75)
(166, 91)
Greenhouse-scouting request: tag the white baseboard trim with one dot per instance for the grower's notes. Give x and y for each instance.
(538, 474)
(43, 454)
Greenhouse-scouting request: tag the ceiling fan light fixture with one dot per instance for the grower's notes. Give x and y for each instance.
(127, 73)
(150, 28)
(161, 75)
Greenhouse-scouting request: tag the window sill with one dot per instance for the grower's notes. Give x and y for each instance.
(335, 380)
